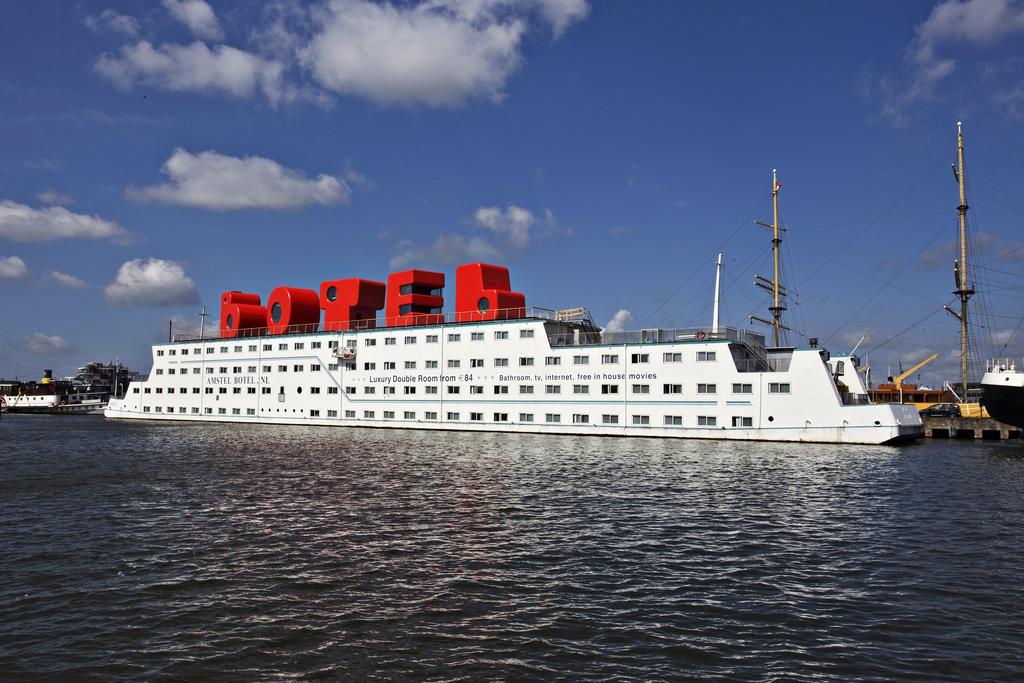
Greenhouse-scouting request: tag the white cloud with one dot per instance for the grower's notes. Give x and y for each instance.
(284, 28)
(223, 69)
(558, 14)
(988, 246)
(974, 22)
(415, 52)
(435, 53)
(22, 223)
(45, 344)
(68, 280)
(198, 16)
(152, 282)
(12, 268)
(1005, 335)
(109, 20)
(512, 224)
(356, 179)
(214, 181)
(445, 249)
(190, 324)
(43, 164)
(412, 54)
(512, 232)
(561, 13)
(619, 321)
(1012, 102)
(54, 198)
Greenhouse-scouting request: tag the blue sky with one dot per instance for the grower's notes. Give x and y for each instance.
(158, 153)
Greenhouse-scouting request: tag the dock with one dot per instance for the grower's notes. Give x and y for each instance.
(967, 428)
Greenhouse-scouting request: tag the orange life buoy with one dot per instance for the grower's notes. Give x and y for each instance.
(701, 335)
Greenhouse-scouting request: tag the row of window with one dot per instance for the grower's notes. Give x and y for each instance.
(606, 359)
(549, 418)
(372, 341)
(208, 411)
(500, 389)
(550, 389)
(251, 348)
(524, 361)
(237, 369)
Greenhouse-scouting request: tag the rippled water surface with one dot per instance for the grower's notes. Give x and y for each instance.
(220, 552)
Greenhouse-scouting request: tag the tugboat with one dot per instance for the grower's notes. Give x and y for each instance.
(87, 393)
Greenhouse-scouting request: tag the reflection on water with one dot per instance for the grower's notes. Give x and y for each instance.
(240, 553)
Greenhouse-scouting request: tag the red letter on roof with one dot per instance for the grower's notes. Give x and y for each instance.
(351, 303)
(482, 292)
(291, 309)
(241, 315)
(414, 298)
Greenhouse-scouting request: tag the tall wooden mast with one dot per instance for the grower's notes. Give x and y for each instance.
(964, 290)
(774, 285)
(963, 287)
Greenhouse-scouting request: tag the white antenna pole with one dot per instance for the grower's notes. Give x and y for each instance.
(202, 322)
(718, 287)
(858, 345)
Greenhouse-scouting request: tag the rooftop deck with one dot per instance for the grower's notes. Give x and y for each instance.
(577, 329)
(577, 316)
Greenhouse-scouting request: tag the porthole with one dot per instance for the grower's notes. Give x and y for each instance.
(299, 390)
(483, 305)
(332, 293)
(771, 419)
(231, 322)
(877, 423)
(275, 312)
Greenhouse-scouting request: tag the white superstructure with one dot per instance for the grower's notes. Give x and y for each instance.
(535, 374)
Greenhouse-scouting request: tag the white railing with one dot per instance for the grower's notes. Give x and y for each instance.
(1003, 365)
(646, 336)
(570, 315)
(586, 334)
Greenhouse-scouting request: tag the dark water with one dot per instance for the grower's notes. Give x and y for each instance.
(204, 552)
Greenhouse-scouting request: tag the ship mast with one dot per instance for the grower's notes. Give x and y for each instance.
(963, 288)
(202, 322)
(775, 284)
(718, 292)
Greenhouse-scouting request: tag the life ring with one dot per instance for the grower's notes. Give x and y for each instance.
(701, 335)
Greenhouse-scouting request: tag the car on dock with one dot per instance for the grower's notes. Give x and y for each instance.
(941, 410)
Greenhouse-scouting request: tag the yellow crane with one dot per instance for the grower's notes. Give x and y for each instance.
(898, 379)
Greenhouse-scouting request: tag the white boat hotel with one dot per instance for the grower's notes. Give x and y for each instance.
(497, 365)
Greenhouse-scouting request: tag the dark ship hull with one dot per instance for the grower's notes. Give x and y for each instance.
(1003, 395)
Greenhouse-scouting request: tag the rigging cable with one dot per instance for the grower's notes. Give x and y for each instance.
(732, 280)
(891, 206)
(1012, 335)
(886, 285)
(698, 270)
(875, 220)
(899, 334)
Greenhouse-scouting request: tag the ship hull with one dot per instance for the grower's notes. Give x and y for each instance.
(1003, 396)
(866, 435)
(51, 405)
